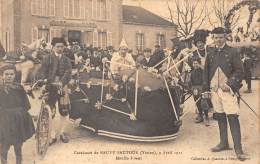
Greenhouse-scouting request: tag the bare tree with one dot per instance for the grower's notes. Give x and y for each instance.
(187, 14)
(220, 9)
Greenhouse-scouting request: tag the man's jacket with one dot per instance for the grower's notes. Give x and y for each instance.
(53, 66)
(226, 59)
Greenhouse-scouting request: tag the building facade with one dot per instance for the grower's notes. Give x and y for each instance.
(96, 22)
(144, 29)
(99, 23)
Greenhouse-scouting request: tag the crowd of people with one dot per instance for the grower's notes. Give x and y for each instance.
(211, 73)
(241, 35)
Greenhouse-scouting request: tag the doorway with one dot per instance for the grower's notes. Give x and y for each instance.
(74, 36)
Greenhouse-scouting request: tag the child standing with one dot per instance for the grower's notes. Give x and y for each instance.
(196, 84)
(16, 125)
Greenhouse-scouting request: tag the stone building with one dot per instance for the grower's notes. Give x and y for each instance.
(97, 22)
(144, 29)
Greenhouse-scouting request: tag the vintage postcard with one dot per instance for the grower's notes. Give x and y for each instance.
(129, 81)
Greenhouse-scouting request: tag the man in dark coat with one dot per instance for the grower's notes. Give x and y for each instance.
(149, 60)
(247, 64)
(56, 67)
(95, 59)
(158, 54)
(222, 78)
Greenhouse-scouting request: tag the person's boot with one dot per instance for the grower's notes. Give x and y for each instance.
(3, 160)
(18, 159)
(206, 121)
(236, 135)
(222, 124)
(18, 153)
(200, 119)
(64, 137)
(248, 91)
(4, 153)
(52, 141)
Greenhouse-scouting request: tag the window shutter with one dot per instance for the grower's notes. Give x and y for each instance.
(38, 7)
(137, 41)
(88, 9)
(51, 7)
(108, 9)
(109, 38)
(51, 34)
(157, 39)
(89, 37)
(97, 6)
(143, 41)
(44, 8)
(82, 8)
(164, 41)
(95, 38)
(34, 34)
(94, 9)
(54, 33)
(66, 8)
(104, 39)
(33, 7)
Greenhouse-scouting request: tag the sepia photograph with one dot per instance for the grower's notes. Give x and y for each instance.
(129, 81)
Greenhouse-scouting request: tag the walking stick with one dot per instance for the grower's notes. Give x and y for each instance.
(254, 112)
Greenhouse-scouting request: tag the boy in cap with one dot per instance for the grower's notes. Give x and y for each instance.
(196, 81)
(222, 78)
(56, 67)
(149, 60)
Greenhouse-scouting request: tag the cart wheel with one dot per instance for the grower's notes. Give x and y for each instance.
(43, 131)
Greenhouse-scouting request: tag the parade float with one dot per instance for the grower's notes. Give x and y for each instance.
(135, 104)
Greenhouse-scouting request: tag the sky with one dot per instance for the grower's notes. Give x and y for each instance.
(160, 8)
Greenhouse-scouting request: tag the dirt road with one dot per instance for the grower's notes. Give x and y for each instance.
(192, 145)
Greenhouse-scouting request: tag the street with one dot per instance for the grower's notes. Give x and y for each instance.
(191, 146)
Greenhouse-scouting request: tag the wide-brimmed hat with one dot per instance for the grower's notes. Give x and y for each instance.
(200, 35)
(58, 40)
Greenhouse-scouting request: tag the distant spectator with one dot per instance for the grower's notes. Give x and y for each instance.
(247, 64)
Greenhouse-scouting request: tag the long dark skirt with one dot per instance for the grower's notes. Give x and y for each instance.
(16, 126)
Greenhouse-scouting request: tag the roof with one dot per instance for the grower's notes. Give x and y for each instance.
(139, 15)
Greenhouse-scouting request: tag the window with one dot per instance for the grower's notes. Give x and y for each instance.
(74, 8)
(140, 41)
(55, 32)
(43, 7)
(98, 38)
(160, 40)
(88, 39)
(34, 34)
(43, 33)
(88, 11)
(40, 33)
(101, 9)
(102, 39)
(95, 38)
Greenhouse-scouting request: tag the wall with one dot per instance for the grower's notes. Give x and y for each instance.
(150, 32)
(23, 21)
